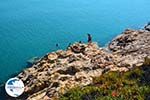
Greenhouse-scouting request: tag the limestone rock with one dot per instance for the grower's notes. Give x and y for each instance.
(59, 71)
(52, 56)
(131, 47)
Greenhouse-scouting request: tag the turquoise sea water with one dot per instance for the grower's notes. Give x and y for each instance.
(31, 28)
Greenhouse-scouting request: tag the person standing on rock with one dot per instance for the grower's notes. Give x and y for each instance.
(89, 38)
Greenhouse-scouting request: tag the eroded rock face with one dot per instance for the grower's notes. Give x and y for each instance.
(59, 71)
(132, 46)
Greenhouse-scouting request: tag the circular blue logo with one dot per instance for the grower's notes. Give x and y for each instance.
(14, 87)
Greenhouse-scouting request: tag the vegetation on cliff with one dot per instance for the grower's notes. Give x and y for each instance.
(131, 85)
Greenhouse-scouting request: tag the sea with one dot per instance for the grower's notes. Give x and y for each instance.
(32, 28)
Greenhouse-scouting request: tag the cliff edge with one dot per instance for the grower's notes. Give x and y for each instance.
(57, 72)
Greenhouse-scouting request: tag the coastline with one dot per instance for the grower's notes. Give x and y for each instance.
(79, 63)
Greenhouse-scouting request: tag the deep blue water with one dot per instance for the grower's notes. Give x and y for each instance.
(31, 28)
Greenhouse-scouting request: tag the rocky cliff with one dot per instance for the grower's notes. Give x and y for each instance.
(132, 47)
(57, 72)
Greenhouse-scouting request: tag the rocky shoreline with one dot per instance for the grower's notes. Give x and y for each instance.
(132, 47)
(57, 72)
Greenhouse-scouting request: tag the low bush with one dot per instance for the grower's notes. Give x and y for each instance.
(131, 85)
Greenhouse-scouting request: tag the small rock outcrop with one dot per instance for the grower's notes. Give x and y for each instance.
(33, 60)
(131, 47)
(147, 27)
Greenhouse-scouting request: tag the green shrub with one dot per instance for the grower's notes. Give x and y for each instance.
(114, 86)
